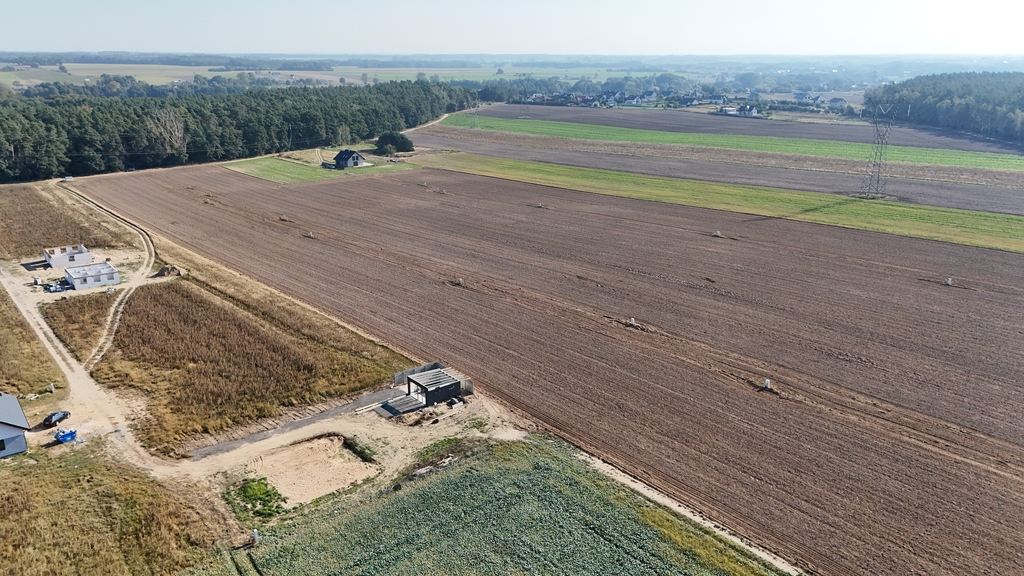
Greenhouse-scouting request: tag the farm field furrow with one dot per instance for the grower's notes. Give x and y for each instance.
(679, 121)
(891, 445)
(1000, 199)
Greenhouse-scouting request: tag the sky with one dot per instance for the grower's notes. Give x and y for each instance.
(579, 27)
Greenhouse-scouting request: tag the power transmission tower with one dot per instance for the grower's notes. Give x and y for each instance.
(873, 185)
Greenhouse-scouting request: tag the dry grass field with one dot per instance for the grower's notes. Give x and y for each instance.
(32, 217)
(25, 365)
(78, 321)
(889, 444)
(205, 365)
(79, 513)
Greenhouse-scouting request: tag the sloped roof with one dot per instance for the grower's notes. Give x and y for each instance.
(11, 412)
(344, 155)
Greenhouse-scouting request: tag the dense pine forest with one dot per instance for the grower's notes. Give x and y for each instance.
(980, 102)
(74, 134)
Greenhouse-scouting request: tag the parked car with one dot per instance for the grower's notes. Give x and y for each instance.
(56, 418)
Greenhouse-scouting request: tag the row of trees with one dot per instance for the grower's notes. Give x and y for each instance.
(981, 102)
(80, 135)
(503, 90)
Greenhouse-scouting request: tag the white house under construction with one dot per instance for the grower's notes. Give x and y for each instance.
(92, 275)
(62, 256)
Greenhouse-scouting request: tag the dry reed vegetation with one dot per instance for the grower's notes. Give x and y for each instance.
(32, 219)
(205, 365)
(25, 365)
(82, 514)
(78, 321)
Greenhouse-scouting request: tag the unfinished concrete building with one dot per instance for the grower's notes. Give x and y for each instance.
(92, 276)
(62, 256)
(427, 385)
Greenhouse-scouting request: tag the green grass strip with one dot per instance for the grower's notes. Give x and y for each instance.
(824, 148)
(281, 171)
(288, 172)
(1001, 231)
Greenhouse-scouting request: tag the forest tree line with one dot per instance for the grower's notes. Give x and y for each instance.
(979, 102)
(77, 135)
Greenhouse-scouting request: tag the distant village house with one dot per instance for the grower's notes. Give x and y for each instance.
(837, 103)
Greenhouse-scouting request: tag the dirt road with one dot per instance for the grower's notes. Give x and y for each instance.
(890, 444)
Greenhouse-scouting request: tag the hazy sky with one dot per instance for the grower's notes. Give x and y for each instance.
(519, 27)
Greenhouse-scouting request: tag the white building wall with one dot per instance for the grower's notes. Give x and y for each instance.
(94, 280)
(67, 256)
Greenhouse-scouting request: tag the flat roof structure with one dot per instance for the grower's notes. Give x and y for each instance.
(88, 270)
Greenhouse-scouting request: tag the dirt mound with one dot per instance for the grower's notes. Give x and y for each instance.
(167, 270)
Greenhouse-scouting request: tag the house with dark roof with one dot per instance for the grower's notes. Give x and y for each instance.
(837, 103)
(747, 110)
(12, 426)
(348, 159)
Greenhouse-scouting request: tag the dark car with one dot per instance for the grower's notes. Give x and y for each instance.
(56, 418)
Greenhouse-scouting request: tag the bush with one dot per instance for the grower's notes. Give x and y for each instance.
(400, 141)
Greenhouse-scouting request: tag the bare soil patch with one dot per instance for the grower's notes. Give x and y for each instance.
(889, 444)
(679, 121)
(310, 469)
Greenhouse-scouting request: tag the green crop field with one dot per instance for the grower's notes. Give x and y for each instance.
(290, 172)
(825, 148)
(1001, 231)
(527, 507)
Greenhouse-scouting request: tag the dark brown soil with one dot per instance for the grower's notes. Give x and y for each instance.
(891, 442)
(682, 121)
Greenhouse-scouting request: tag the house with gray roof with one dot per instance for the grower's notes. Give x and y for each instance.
(12, 426)
(348, 159)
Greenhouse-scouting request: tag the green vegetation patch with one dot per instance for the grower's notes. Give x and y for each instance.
(825, 148)
(289, 172)
(255, 499)
(80, 513)
(508, 508)
(984, 229)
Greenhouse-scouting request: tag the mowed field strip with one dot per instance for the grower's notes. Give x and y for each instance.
(985, 229)
(807, 147)
(892, 443)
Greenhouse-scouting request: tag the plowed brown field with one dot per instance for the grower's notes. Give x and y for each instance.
(892, 443)
(682, 121)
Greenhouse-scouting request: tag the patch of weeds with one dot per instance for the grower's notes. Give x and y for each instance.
(364, 452)
(478, 424)
(255, 499)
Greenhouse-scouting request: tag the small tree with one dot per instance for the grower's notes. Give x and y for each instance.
(365, 78)
(396, 140)
(421, 76)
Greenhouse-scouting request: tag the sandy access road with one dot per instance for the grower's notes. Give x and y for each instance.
(893, 443)
(681, 121)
